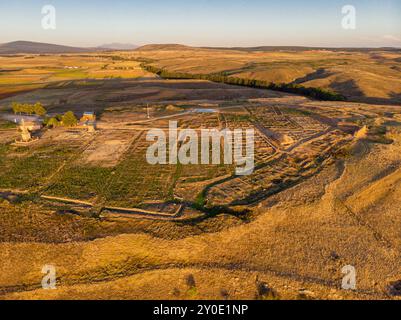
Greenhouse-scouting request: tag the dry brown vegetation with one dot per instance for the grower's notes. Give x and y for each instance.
(371, 76)
(324, 194)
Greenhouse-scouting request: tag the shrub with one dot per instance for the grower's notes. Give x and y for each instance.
(39, 109)
(53, 122)
(69, 119)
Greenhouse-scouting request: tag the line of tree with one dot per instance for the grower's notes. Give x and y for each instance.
(315, 93)
(27, 108)
(68, 119)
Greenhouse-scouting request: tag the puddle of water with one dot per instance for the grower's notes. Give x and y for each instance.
(199, 110)
(18, 118)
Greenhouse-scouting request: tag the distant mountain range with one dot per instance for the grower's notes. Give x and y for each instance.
(165, 47)
(301, 48)
(38, 47)
(118, 46)
(19, 47)
(176, 47)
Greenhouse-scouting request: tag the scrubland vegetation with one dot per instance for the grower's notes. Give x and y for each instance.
(357, 75)
(324, 194)
(316, 93)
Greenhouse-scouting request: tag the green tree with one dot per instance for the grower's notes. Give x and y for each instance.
(16, 107)
(69, 119)
(39, 109)
(52, 123)
(27, 108)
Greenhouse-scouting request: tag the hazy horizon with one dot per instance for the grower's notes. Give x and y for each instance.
(184, 44)
(205, 23)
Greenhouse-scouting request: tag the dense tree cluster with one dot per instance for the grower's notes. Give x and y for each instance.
(36, 108)
(316, 93)
(68, 119)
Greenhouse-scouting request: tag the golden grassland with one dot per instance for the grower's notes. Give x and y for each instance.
(361, 76)
(372, 77)
(296, 246)
(291, 245)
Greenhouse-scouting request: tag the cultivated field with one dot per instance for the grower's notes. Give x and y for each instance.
(19, 73)
(324, 193)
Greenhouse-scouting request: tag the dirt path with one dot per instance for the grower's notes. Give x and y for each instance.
(67, 200)
(306, 140)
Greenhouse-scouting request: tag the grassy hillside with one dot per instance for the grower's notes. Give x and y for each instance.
(296, 248)
(367, 75)
(18, 47)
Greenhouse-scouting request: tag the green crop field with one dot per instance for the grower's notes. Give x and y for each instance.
(26, 170)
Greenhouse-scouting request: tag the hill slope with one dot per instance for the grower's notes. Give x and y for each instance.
(364, 75)
(38, 47)
(118, 46)
(165, 47)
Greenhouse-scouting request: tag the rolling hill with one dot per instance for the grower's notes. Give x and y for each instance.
(362, 75)
(302, 48)
(165, 47)
(118, 46)
(17, 47)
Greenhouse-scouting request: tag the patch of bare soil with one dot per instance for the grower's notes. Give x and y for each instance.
(8, 135)
(107, 148)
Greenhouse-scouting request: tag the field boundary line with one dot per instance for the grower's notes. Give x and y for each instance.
(134, 211)
(67, 200)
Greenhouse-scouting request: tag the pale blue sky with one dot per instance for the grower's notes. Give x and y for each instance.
(204, 22)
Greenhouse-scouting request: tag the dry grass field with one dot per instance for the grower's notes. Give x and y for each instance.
(372, 77)
(324, 193)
